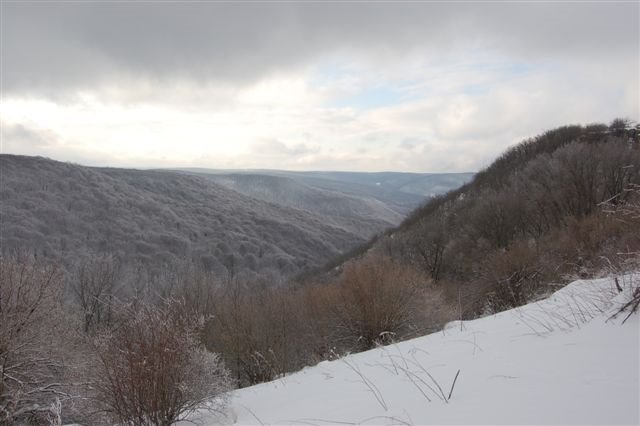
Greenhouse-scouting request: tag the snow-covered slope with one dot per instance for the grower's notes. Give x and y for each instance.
(557, 361)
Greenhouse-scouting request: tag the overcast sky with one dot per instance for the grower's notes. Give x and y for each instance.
(364, 86)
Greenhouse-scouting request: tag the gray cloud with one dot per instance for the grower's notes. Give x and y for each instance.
(53, 47)
(30, 140)
(19, 137)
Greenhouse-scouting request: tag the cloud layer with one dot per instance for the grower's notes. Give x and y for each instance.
(363, 86)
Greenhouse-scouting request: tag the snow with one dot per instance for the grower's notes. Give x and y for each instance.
(561, 360)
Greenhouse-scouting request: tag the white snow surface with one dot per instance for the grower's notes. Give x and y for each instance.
(561, 360)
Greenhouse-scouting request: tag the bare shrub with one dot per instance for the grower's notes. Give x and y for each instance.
(28, 367)
(588, 245)
(632, 305)
(257, 329)
(378, 300)
(629, 213)
(630, 210)
(320, 323)
(151, 369)
(513, 276)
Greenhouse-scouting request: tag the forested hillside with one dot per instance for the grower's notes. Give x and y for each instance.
(365, 216)
(386, 195)
(65, 211)
(540, 213)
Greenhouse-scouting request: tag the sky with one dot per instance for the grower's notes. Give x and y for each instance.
(361, 86)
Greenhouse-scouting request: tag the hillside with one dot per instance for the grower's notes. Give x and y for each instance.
(364, 216)
(540, 213)
(561, 360)
(399, 192)
(65, 211)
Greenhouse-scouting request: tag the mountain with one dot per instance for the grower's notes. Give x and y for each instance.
(66, 211)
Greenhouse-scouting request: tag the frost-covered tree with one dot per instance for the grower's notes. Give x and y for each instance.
(29, 371)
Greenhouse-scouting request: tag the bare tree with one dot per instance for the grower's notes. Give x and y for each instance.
(94, 286)
(429, 243)
(28, 370)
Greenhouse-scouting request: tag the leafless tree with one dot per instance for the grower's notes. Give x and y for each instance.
(428, 244)
(29, 370)
(94, 285)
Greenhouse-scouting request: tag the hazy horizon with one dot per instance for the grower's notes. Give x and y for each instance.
(238, 170)
(409, 87)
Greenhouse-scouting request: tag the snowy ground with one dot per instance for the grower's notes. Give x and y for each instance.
(557, 361)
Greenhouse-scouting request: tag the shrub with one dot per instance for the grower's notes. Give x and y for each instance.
(513, 276)
(377, 299)
(152, 370)
(629, 213)
(257, 329)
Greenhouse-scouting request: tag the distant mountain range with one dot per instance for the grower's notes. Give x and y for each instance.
(398, 192)
(285, 222)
